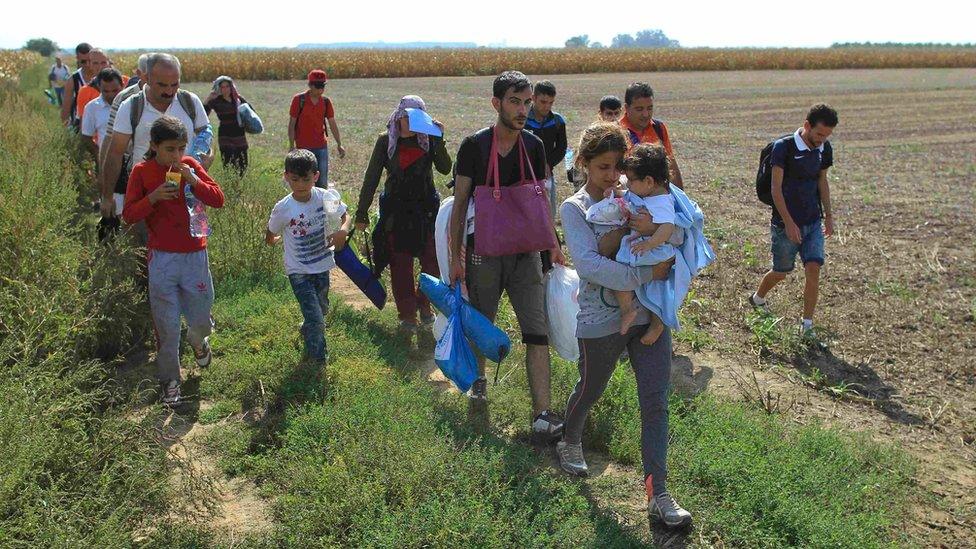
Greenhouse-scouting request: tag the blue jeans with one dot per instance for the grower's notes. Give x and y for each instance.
(784, 250)
(59, 93)
(312, 293)
(322, 155)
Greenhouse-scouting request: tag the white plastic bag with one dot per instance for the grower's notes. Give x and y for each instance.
(562, 306)
(441, 227)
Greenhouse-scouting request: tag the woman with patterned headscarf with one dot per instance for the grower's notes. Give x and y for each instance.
(231, 140)
(408, 207)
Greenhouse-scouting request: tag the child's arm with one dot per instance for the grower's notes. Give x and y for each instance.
(204, 187)
(138, 205)
(338, 238)
(277, 222)
(660, 236)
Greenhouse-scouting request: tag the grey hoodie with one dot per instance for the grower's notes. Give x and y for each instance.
(599, 314)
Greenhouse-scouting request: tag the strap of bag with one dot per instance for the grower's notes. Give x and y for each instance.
(186, 102)
(138, 105)
(523, 157)
(491, 178)
(301, 107)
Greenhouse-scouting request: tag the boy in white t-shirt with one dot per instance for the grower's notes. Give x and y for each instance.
(313, 223)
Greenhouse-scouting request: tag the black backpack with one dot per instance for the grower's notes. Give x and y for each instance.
(764, 175)
(301, 106)
(484, 145)
(658, 129)
(483, 138)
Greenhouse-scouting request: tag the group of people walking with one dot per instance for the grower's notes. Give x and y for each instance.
(152, 124)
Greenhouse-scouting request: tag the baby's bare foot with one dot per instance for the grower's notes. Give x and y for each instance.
(653, 332)
(627, 318)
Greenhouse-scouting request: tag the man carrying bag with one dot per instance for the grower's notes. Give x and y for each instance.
(503, 167)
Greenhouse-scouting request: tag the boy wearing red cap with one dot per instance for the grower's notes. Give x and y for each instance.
(309, 112)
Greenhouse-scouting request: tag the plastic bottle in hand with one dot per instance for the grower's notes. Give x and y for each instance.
(570, 168)
(333, 207)
(199, 224)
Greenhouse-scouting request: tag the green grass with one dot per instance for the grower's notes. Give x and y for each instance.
(368, 454)
(365, 453)
(893, 289)
(76, 469)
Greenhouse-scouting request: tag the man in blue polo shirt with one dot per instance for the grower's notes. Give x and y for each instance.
(801, 213)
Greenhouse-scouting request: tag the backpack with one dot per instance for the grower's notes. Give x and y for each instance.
(764, 175)
(301, 107)
(183, 96)
(483, 138)
(658, 129)
(484, 146)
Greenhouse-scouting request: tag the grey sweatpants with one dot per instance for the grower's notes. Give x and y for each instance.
(179, 284)
(652, 368)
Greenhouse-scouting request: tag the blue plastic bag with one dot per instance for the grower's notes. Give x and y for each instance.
(490, 340)
(249, 119)
(453, 353)
(361, 275)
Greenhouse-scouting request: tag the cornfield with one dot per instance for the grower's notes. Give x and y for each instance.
(291, 64)
(14, 61)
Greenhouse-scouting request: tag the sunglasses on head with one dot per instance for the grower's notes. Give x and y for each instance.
(319, 85)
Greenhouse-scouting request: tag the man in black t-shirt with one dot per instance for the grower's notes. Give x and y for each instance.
(519, 275)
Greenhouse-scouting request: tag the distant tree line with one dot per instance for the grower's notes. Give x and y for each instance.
(899, 45)
(650, 38)
(43, 46)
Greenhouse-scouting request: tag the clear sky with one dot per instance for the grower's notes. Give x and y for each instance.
(535, 23)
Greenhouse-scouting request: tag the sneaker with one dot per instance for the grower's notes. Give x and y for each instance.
(204, 356)
(758, 305)
(427, 319)
(663, 507)
(479, 389)
(170, 393)
(548, 424)
(806, 328)
(571, 458)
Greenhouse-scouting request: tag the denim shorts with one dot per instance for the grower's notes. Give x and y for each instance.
(784, 250)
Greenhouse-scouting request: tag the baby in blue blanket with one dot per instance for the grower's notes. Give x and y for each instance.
(646, 167)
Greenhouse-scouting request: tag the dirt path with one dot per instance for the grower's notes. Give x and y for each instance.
(237, 509)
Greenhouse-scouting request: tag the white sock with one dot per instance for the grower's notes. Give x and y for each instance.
(807, 323)
(758, 300)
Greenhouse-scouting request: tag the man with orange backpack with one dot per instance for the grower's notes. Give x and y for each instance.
(309, 112)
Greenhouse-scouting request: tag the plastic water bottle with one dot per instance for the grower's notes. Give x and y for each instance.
(333, 207)
(199, 224)
(568, 159)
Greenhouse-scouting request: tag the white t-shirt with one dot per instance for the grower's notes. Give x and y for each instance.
(60, 74)
(304, 227)
(661, 207)
(95, 121)
(140, 137)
